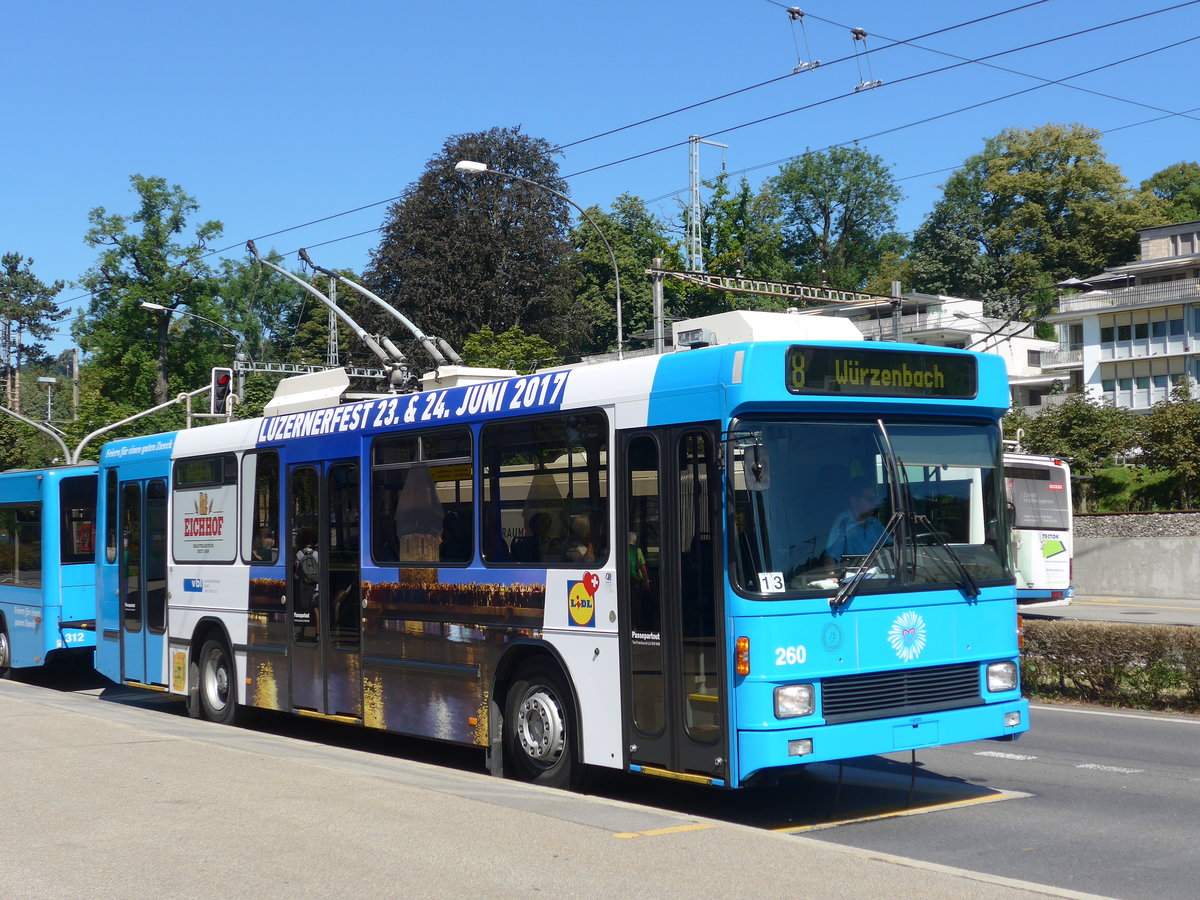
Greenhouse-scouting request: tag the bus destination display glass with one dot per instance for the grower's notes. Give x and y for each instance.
(870, 372)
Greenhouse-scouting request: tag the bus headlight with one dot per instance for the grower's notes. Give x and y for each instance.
(1002, 676)
(792, 700)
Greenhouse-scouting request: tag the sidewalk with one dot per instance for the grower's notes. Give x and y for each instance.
(105, 799)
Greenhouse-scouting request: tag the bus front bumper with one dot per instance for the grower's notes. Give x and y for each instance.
(785, 747)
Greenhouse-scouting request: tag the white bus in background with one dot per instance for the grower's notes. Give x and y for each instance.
(1039, 498)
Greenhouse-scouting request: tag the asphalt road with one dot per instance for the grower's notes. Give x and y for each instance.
(1140, 610)
(109, 793)
(1103, 801)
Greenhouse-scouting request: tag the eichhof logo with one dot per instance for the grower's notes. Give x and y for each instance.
(206, 522)
(907, 636)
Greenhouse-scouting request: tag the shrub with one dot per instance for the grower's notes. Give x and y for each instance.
(1141, 666)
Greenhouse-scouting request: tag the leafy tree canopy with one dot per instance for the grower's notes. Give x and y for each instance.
(1034, 207)
(1179, 187)
(140, 357)
(27, 319)
(1088, 432)
(1169, 436)
(837, 205)
(462, 251)
(512, 349)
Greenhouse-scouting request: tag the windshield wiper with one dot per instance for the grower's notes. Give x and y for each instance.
(848, 589)
(969, 587)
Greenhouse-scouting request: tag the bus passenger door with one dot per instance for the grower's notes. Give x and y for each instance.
(143, 580)
(324, 589)
(673, 687)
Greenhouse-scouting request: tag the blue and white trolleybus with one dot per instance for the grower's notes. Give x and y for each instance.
(779, 546)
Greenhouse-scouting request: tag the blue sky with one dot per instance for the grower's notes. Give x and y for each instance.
(276, 114)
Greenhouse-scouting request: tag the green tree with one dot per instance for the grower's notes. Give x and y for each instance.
(466, 251)
(27, 318)
(131, 352)
(1089, 433)
(637, 237)
(1036, 206)
(1169, 436)
(513, 349)
(837, 207)
(1178, 186)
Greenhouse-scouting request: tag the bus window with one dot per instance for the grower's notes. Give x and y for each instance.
(422, 501)
(545, 490)
(77, 503)
(21, 545)
(260, 507)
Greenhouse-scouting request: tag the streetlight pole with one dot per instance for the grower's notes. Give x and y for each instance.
(466, 165)
(242, 353)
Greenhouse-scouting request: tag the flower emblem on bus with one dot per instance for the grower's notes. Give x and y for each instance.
(907, 636)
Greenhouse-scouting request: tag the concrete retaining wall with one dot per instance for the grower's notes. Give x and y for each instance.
(1138, 555)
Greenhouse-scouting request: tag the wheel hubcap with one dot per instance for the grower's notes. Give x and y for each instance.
(540, 727)
(3, 650)
(217, 684)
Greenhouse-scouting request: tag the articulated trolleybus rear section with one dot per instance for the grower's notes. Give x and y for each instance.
(47, 565)
(782, 545)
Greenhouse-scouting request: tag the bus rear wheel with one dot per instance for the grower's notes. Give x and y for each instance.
(218, 683)
(540, 743)
(5, 654)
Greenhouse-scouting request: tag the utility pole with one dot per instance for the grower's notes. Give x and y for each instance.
(657, 288)
(695, 248)
(332, 351)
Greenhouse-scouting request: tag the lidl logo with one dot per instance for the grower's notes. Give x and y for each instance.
(581, 600)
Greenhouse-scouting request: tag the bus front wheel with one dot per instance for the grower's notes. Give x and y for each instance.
(218, 683)
(540, 743)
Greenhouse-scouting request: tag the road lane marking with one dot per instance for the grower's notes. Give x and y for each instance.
(899, 813)
(655, 832)
(996, 754)
(1120, 770)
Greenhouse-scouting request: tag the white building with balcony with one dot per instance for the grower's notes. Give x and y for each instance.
(1131, 332)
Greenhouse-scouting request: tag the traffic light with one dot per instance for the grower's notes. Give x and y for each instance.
(222, 387)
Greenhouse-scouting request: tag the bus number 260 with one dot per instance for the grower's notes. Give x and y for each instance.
(790, 656)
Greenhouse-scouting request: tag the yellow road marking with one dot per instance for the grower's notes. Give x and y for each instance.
(953, 804)
(655, 832)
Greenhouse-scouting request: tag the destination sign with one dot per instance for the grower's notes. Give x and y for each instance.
(874, 372)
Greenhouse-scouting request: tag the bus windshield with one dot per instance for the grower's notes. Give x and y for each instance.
(904, 504)
(1039, 497)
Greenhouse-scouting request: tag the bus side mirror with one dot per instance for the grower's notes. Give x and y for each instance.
(756, 467)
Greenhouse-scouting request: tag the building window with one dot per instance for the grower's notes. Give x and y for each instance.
(1141, 331)
(1176, 327)
(1106, 334)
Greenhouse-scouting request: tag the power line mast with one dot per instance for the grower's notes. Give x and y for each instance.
(332, 350)
(695, 248)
